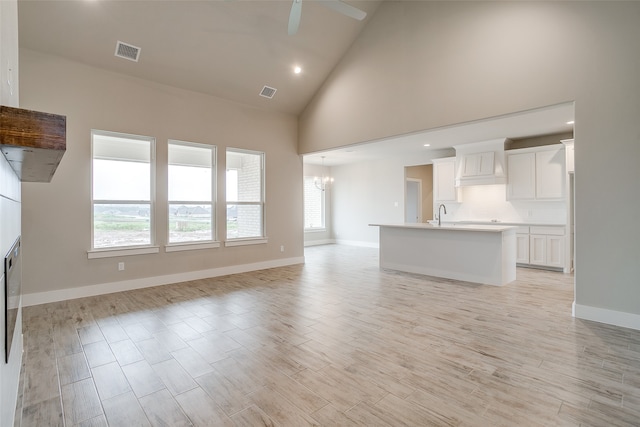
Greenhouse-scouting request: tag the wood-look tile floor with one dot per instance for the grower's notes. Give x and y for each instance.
(336, 342)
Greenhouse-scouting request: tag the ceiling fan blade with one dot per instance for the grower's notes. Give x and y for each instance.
(294, 16)
(345, 9)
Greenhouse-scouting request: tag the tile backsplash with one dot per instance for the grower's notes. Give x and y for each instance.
(488, 202)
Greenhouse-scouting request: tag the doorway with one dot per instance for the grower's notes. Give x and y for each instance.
(418, 197)
(413, 205)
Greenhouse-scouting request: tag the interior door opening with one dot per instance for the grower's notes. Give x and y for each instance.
(413, 205)
(418, 193)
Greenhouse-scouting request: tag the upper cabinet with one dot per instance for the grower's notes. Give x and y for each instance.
(569, 154)
(536, 173)
(444, 180)
(521, 169)
(550, 174)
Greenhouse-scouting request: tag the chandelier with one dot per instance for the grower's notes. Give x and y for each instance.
(321, 183)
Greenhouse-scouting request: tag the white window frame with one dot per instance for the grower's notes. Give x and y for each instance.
(322, 207)
(114, 251)
(194, 244)
(240, 241)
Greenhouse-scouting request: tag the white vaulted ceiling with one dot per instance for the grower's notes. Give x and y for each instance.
(229, 49)
(233, 48)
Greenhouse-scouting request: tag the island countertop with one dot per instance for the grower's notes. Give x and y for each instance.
(451, 227)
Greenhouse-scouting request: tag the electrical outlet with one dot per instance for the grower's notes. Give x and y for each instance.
(121, 266)
(282, 248)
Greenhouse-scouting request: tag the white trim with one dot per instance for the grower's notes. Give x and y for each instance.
(603, 315)
(245, 242)
(315, 230)
(147, 282)
(320, 242)
(115, 252)
(358, 243)
(190, 246)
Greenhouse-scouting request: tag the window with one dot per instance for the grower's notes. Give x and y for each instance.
(123, 184)
(245, 194)
(191, 192)
(313, 204)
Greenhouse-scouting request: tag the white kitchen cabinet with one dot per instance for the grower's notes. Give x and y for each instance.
(521, 169)
(522, 248)
(444, 180)
(555, 251)
(546, 246)
(569, 154)
(536, 173)
(537, 249)
(550, 175)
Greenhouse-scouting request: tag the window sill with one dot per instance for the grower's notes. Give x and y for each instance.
(315, 230)
(191, 246)
(116, 252)
(245, 242)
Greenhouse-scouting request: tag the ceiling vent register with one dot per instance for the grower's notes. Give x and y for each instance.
(127, 51)
(268, 92)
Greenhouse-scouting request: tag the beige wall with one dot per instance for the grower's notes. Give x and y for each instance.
(57, 215)
(538, 141)
(425, 174)
(421, 65)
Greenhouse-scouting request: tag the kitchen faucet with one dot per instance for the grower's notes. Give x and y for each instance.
(442, 206)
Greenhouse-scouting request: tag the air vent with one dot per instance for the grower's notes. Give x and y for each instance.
(127, 51)
(268, 92)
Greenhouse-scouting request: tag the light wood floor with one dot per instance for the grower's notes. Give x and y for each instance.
(336, 342)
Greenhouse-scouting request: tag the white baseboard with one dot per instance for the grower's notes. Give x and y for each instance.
(320, 242)
(147, 282)
(358, 243)
(603, 315)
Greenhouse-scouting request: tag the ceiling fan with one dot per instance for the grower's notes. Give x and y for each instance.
(337, 5)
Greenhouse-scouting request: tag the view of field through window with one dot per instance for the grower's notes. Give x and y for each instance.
(191, 186)
(122, 208)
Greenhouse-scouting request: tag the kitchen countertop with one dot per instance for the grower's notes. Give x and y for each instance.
(517, 224)
(492, 228)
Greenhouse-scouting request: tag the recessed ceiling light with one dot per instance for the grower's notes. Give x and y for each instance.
(427, 145)
(297, 69)
(570, 122)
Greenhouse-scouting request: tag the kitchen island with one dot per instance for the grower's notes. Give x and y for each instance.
(473, 253)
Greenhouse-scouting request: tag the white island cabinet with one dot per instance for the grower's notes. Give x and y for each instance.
(473, 253)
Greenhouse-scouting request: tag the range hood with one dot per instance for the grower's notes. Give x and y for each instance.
(481, 163)
(33, 142)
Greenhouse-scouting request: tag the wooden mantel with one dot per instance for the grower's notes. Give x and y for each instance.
(33, 142)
